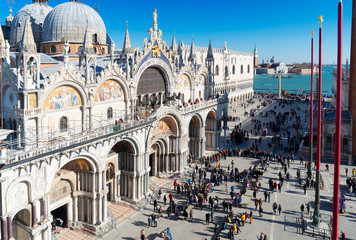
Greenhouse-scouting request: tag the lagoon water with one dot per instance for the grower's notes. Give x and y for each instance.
(267, 83)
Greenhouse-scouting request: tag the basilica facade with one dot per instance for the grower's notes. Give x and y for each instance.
(85, 123)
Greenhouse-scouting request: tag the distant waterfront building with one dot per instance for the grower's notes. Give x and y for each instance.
(272, 67)
(303, 69)
(89, 124)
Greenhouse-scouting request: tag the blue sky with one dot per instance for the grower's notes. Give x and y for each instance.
(279, 28)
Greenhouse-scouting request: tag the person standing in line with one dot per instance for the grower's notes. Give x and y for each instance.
(207, 218)
(250, 216)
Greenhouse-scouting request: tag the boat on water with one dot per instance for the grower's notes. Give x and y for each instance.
(289, 76)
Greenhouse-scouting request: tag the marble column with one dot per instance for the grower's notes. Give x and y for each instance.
(93, 211)
(4, 229)
(88, 209)
(100, 210)
(44, 208)
(75, 209)
(34, 215)
(100, 180)
(9, 225)
(70, 212)
(105, 212)
(134, 188)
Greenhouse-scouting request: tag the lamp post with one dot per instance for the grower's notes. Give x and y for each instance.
(316, 216)
(311, 153)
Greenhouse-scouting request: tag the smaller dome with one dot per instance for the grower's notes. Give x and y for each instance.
(69, 21)
(37, 12)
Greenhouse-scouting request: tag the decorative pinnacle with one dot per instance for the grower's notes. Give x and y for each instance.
(127, 24)
(321, 19)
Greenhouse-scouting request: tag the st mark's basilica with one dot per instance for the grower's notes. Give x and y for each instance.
(86, 123)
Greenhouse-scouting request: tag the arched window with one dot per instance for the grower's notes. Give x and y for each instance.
(248, 68)
(95, 38)
(151, 81)
(226, 71)
(242, 69)
(217, 70)
(53, 49)
(233, 69)
(63, 124)
(109, 113)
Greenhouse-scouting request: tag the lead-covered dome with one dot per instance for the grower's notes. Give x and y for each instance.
(37, 11)
(68, 21)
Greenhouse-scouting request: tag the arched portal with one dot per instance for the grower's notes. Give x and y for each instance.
(211, 131)
(72, 195)
(124, 154)
(195, 137)
(21, 224)
(164, 156)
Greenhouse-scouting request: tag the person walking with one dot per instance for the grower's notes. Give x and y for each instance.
(155, 205)
(191, 215)
(308, 207)
(207, 218)
(165, 200)
(250, 216)
(143, 235)
(305, 188)
(149, 220)
(212, 215)
(302, 208)
(260, 211)
(279, 209)
(346, 171)
(274, 207)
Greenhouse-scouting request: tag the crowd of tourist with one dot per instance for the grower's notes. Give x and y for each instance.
(197, 192)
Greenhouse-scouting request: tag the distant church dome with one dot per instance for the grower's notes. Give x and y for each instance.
(69, 20)
(37, 11)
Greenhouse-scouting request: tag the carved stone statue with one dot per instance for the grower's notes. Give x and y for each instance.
(66, 48)
(155, 16)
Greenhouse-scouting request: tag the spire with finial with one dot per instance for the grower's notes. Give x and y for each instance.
(210, 51)
(127, 43)
(174, 44)
(192, 54)
(255, 49)
(28, 42)
(2, 43)
(9, 18)
(225, 46)
(88, 41)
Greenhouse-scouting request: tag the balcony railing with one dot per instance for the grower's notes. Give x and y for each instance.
(24, 112)
(52, 142)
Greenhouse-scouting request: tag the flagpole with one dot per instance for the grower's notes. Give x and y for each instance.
(311, 110)
(316, 216)
(337, 128)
